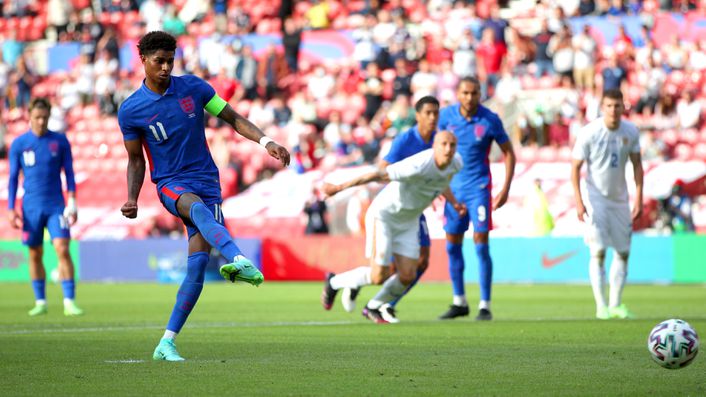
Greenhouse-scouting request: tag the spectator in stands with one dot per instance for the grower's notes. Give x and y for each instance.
(11, 48)
(424, 81)
(558, 132)
(316, 212)
(106, 72)
(280, 111)
(364, 50)
(562, 52)
(58, 12)
(649, 50)
(371, 88)
(246, 72)
(496, 24)
(688, 110)
(272, 70)
(584, 58)
(464, 54)
(623, 45)
(665, 116)
(23, 79)
(697, 57)
(650, 78)
(291, 40)
(520, 51)
(321, 84)
(613, 76)
(542, 58)
(675, 54)
(85, 79)
(491, 55)
(677, 209)
(317, 15)
(402, 84)
(400, 117)
(5, 71)
(260, 114)
(333, 130)
(586, 7)
(448, 80)
(225, 86)
(171, 22)
(242, 20)
(109, 42)
(152, 13)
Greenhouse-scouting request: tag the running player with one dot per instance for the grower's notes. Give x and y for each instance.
(41, 155)
(476, 128)
(392, 221)
(405, 144)
(605, 145)
(165, 116)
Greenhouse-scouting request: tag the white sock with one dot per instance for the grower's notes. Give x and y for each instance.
(40, 302)
(169, 334)
(356, 278)
(391, 290)
(68, 301)
(484, 305)
(460, 300)
(596, 273)
(618, 273)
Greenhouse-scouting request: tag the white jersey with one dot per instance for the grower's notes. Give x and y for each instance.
(606, 152)
(415, 182)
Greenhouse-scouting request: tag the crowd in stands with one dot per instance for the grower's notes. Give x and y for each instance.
(346, 112)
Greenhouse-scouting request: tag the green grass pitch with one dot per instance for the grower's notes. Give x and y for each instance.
(276, 340)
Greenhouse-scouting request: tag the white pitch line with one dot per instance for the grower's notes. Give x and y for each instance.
(130, 361)
(154, 326)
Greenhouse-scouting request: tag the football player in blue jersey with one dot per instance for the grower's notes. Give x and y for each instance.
(165, 116)
(476, 127)
(41, 155)
(410, 142)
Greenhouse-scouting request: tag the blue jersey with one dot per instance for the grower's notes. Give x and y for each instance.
(406, 144)
(171, 127)
(41, 160)
(475, 137)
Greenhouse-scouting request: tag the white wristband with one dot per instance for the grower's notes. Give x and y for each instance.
(70, 208)
(265, 140)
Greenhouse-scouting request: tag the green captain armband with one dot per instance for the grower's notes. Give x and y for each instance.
(215, 105)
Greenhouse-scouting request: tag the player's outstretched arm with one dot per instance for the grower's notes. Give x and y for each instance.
(510, 160)
(575, 181)
(459, 207)
(13, 181)
(377, 176)
(249, 130)
(639, 173)
(135, 177)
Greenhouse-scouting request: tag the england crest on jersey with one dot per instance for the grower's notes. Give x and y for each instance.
(187, 104)
(479, 131)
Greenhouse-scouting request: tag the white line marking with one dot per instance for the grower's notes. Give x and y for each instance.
(131, 361)
(155, 326)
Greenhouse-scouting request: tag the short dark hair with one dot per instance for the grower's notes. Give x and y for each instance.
(155, 41)
(425, 100)
(613, 94)
(40, 103)
(469, 79)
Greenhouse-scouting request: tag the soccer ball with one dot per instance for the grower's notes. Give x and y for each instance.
(673, 344)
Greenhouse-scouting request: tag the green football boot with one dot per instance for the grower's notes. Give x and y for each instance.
(620, 312)
(70, 309)
(242, 270)
(38, 310)
(602, 313)
(166, 350)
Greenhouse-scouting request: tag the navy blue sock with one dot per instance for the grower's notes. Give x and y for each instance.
(485, 270)
(39, 287)
(69, 287)
(215, 233)
(189, 291)
(456, 267)
(420, 272)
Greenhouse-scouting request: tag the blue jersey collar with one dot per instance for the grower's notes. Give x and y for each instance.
(153, 95)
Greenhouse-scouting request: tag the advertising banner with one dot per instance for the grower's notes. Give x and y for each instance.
(14, 261)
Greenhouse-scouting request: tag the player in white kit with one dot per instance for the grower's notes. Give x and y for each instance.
(605, 145)
(392, 221)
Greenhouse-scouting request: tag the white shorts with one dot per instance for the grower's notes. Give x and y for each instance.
(383, 239)
(609, 225)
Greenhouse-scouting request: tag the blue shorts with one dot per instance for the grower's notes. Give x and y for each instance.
(35, 220)
(424, 240)
(210, 193)
(479, 210)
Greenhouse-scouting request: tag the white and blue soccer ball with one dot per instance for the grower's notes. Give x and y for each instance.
(673, 344)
